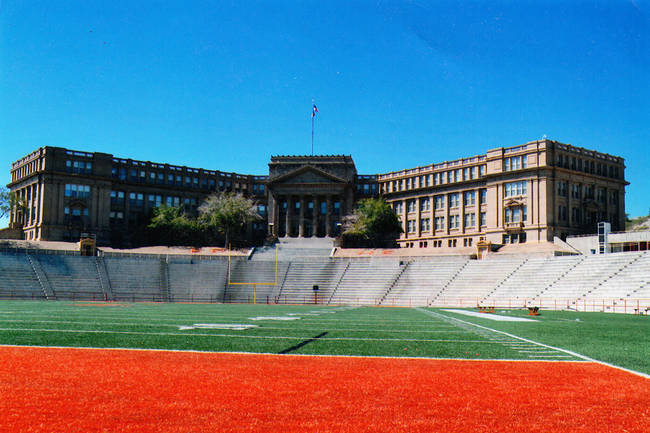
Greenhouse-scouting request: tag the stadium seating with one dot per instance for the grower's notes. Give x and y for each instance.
(586, 275)
(531, 279)
(245, 273)
(366, 281)
(18, 279)
(478, 279)
(135, 278)
(423, 279)
(297, 287)
(594, 283)
(193, 280)
(72, 277)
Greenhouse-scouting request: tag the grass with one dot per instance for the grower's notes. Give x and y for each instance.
(623, 340)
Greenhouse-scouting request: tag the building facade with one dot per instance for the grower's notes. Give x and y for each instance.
(526, 193)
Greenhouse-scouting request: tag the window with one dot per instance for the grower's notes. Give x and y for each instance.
(472, 171)
(454, 199)
(515, 214)
(83, 167)
(466, 173)
(411, 226)
(425, 224)
(470, 198)
(439, 202)
(601, 193)
(155, 200)
(589, 192)
(117, 197)
(613, 199)
(77, 191)
(425, 204)
(514, 163)
(173, 201)
(562, 189)
(470, 219)
(483, 219)
(563, 214)
(411, 206)
(575, 190)
(576, 215)
(482, 196)
(514, 188)
(481, 170)
(440, 223)
(454, 221)
(408, 183)
(136, 199)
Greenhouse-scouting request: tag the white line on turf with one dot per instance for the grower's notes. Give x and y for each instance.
(303, 355)
(260, 337)
(568, 352)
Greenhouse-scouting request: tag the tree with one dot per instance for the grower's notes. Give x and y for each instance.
(227, 213)
(170, 226)
(373, 222)
(9, 201)
(5, 202)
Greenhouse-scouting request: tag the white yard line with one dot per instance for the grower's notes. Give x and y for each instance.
(261, 337)
(568, 352)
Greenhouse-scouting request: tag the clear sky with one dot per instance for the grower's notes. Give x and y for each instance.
(226, 84)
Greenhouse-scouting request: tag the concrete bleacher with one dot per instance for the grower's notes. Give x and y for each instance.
(478, 279)
(254, 281)
(302, 275)
(629, 280)
(366, 281)
(531, 279)
(18, 279)
(423, 279)
(586, 275)
(71, 276)
(593, 282)
(195, 280)
(289, 249)
(135, 279)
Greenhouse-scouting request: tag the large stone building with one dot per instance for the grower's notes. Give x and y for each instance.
(526, 193)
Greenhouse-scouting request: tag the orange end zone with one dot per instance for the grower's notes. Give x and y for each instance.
(89, 390)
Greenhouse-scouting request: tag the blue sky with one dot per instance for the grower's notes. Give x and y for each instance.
(225, 85)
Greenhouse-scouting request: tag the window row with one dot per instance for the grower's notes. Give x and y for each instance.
(452, 199)
(588, 166)
(83, 167)
(439, 222)
(77, 191)
(171, 179)
(441, 178)
(514, 163)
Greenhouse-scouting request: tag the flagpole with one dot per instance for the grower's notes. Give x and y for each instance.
(312, 134)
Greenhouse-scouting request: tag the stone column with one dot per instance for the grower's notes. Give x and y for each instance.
(288, 217)
(315, 217)
(276, 215)
(301, 224)
(328, 217)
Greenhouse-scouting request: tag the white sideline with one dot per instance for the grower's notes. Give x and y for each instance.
(495, 317)
(569, 352)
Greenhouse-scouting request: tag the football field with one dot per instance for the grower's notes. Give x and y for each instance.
(146, 366)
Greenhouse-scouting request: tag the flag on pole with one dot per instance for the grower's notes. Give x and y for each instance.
(314, 111)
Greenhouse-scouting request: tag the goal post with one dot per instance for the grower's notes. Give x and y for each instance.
(254, 283)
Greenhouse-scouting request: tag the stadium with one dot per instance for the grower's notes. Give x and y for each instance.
(296, 337)
(308, 216)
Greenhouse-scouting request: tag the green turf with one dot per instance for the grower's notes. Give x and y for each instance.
(619, 339)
